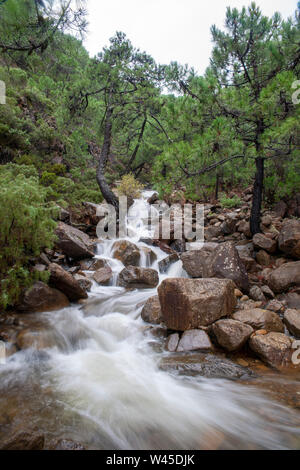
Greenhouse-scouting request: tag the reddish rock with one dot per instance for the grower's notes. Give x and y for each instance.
(232, 335)
(262, 242)
(289, 238)
(103, 276)
(151, 312)
(127, 252)
(66, 283)
(73, 242)
(42, 298)
(281, 279)
(138, 277)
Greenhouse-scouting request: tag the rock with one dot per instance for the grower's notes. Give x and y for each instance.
(292, 321)
(249, 263)
(25, 441)
(275, 306)
(151, 312)
(263, 258)
(244, 227)
(273, 348)
(192, 303)
(266, 220)
(238, 293)
(194, 340)
(289, 238)
(268, 292)
(98, 264)
(153, 199)
(261, 242)
(84, 282)
(257, 294)
(292, 300)
(203, 364)
(280, 209)
(166, 262)
(179, 246)
(66, 444)
(42, 298)
(149, 255)
(64, 215)
(225, 263)
(281, 279)
(103, 276)
(66, 283)
(34, 338)
(73, 242)
(212, 232)
(260, 319)
(195, 263)
(127, 252)
(172, 342)
(232, 335)
(40, 268)
(138, 277)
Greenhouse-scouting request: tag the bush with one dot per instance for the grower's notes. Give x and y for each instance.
(27, 227)
(130, 187)
(230, 203)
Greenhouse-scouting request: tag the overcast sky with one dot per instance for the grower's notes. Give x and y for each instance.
(168, 29)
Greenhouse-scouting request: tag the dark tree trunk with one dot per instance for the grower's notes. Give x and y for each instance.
(134, 154)
(257, 196)
(108, 195)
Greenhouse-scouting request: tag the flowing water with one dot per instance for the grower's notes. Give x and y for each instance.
(100, 384)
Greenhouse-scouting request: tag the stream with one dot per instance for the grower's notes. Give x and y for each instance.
(100, 383)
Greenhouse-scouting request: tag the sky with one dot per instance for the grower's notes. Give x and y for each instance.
(168, 30)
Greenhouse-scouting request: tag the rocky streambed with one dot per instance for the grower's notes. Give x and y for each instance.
(144, 347)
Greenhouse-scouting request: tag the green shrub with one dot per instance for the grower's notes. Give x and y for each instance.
(26, 228)
(230, 203)
(130, 187)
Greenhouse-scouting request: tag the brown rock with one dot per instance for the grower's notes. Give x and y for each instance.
(151, 312)
(172, 342)
(140, 278)
(195, 263)
(66, 283)
(194, 340)
(73, 242)
(280, 209)
(127, 252)
(260, 319)
(292, 321)
(261, 242)
(257, 294)
(103, 276)
(281, 279)
(263, 258)
(289, 238)
(166, 262)
(98, 264)
(34, 338)
(192, 303)
(273, 348)
(42, 298)
(232, 335)
(25, 441)
(83, 281)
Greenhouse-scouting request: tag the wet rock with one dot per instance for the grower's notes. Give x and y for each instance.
(289, 238)
(151, 312)
(25, 441)
(42, 298)
(66, 283)
(98, 264)
(205, 365)
(65, 444)
(166, 262)
(194, 340)
(263, 258)
(140, 278)
(150, 255)
(192, 303)
(153, 199)
(281, 279)
(225, 263)
(232, 335)
(257, 294)
(34, 338)
(273, 348)
(260, 319)
(172, 342)
(73, 242)
(261, 242)
(195, 263)
(127, 252)
(292, 321)
(103, 276)
(179, 246)
(84, 282)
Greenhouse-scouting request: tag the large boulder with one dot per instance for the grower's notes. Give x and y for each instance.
(194, 340)
(73, 242)
(273, 348)
(140, 278)
(261, 242)
(165, 263)
(292, 321)
(260, 319)
(195, 263)
(103, 275)
(42, 298)
(289, 238)
(232, 335)
(151, 312)
(66, 283)
(193, 303)
(83, 281)
(127, 252)
(225, 263)
(281, 279)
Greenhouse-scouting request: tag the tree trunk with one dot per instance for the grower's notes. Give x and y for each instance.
(257, 196)
(134, 154)
(108, 195)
